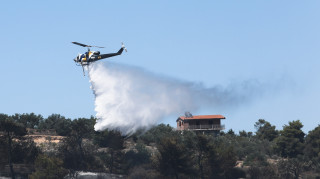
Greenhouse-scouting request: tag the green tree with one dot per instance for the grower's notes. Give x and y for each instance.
(114, 141)
(11, 130)
(202, 151)
(196, 145)
(77, 154)
(243, 133)
(76, 159)
(82, 128)
(137, 157)
(57, 122)
(48, 167)
(265, 130)
(28, 120)
(251, 149)
(173, 159)
(25, 151)
(221, 160)
(263, 172)
(291, 168)
(231, 132)
(290, 141)
(157, 133)
(213, 157)
(70, 153)
(312, 143)
(100, 137)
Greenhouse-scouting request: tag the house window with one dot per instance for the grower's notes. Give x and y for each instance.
(197, 123)
(210, 122)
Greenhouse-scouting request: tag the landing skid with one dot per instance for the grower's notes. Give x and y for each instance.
(84, 73)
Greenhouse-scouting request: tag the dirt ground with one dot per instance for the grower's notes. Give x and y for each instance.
(39, 139)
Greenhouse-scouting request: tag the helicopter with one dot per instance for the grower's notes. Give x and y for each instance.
(91, 56)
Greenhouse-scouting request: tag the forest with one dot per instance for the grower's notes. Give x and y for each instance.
(159, 152)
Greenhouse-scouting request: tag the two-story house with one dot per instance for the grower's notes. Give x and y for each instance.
(200, 123)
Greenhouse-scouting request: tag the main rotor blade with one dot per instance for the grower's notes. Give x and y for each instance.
(84, 45)
(97, 46)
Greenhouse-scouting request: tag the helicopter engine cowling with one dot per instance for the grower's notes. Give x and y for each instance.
(96, 53)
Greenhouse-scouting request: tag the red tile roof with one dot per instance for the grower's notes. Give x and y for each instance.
(202, 117)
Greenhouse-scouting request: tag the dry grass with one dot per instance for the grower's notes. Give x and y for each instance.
(41, 139)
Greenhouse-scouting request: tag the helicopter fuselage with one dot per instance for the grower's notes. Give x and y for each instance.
(86, 58)
(92, 56)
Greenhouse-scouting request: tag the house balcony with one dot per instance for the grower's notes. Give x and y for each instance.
(206, 127)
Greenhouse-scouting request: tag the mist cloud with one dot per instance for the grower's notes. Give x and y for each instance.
(128, 98)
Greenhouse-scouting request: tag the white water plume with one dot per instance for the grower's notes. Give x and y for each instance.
(128, 98)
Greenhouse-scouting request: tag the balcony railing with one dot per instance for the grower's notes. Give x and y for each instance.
(206, 127)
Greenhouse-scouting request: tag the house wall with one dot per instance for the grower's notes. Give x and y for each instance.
(204, 122)
(182, 125)
(217, 121)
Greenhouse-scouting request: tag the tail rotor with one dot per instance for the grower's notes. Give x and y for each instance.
(122, 46)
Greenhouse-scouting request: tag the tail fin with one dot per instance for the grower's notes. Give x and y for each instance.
(120, 51)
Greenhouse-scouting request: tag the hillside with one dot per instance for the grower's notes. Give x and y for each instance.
(57, 147)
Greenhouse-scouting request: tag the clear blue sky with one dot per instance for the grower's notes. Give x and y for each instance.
(209, 42)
